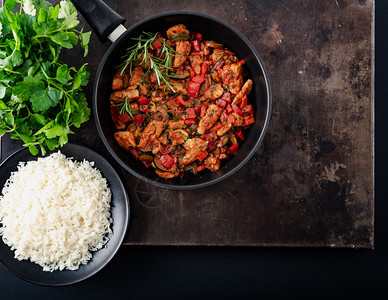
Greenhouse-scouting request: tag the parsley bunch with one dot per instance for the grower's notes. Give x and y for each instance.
(40, 97)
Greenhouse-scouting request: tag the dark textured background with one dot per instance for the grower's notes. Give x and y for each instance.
(311, 181)
(212, 272)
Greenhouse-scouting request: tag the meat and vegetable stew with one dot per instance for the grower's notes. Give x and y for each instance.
(179, 102)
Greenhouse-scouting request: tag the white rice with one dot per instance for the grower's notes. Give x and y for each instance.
(55, 211)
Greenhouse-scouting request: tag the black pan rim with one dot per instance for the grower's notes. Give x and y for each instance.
(268, 101)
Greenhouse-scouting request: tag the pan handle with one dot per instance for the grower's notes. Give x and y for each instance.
(102, 19)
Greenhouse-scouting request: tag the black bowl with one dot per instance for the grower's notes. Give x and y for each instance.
(212, 29)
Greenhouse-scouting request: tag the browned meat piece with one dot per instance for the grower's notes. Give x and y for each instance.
(177, 29)
(232, 77)
(125, 139)
(212, 114)
(214, 92)
(138, 80)
(183, 50)
(212, 44)
(178, 136)
(166, 175)
(245, 90)
(174, 125)
(225, 54)
(119, 96)
(196, 62)
(212, 163)
(117, 83)
(148, 136)
(194, 148)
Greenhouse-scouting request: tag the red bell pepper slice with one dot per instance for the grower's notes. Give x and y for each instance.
(191, 70)
(134, 152)
(216, 127)
(221, 103)
(189, 122)
(124, 118)
(233, 149)
(248, 109)
(139, 118)
(198, 79)
(204, 70)
(143, 100)
(227, 96)
(181, 101)
(244, 101)
(232, 119)
(144, 108)
(203, 110)
(241, 62)
(203, 156)
(156, 44)
(201, 168)
(173, 104)
(167, 161)
(191, 113)
(249, 120)
(196, 45)
(199, 36)
(194, 86)
(229, 108)
(240, 135)
(237, 110)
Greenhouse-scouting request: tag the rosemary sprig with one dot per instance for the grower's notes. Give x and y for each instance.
(139, 54)
(125, 107)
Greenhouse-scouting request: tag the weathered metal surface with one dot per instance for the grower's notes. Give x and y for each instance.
(311, 182)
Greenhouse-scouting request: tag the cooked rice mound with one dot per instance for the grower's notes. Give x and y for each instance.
(55, 211)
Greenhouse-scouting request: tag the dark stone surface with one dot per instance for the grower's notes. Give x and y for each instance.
(311, 182)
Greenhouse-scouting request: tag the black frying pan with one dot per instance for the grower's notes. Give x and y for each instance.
(104, 21)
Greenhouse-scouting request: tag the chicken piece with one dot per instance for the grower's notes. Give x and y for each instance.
(212, 44)
(212, 163)
(214, 92)
(223, 54)
(183, 50)
(178, 136)
(196, 62)
(125, 139)
(212, 114)
(239, 120)
(167, 175)
(245, 90)
(150, 133)
(232, 77)
(118, 81)
(174, 125)
(138, 80)
(119, 96)
(135, 130)
(194, 148)
(177, 29)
